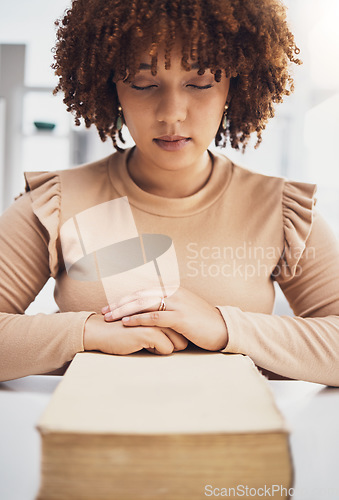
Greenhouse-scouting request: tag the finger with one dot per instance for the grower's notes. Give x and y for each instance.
(142, 304)
(155, 318)
(179, 341)
(156, 341)
(151, 351)
(147, 292)
(124, 341)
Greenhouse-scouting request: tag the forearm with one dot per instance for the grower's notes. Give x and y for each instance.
(298, 348)
(39, 344)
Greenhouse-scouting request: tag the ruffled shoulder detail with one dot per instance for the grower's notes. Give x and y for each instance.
(298, 200)
(45, 192)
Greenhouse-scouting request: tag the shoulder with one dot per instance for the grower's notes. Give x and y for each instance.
(266, 188)
(278, 208)
(74, 189)
(54, 196)
(85, 174)
(43, 180)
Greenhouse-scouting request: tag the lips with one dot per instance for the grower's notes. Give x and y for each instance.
(172, 142)
(171, 138)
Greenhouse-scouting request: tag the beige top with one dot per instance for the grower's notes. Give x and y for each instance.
(232, 238)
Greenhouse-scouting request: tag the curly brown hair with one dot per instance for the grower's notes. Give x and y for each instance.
(101, 41)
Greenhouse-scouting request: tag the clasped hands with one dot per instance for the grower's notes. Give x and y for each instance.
(135, 323)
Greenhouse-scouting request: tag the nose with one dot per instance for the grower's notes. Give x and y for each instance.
(172, 107)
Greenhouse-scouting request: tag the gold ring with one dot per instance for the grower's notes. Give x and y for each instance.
(162, 306)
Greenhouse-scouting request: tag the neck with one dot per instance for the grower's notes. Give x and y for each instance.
(169, 183)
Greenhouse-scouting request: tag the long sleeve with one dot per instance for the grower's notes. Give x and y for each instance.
(40, 343)
(306, 346)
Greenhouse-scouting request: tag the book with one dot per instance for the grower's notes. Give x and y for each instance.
(180, 427)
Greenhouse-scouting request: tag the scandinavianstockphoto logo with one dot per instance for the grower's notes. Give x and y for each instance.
(102, 243)
(243, 261)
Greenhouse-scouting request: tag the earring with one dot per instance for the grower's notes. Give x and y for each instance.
(224, 118)
(119, 122)
(117, 131)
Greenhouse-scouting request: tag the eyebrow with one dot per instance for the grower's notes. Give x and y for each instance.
(146, 66)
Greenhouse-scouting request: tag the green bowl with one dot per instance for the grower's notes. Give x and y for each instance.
(44, 125)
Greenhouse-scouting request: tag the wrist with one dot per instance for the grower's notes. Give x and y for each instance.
(90, 335)
(223, 333)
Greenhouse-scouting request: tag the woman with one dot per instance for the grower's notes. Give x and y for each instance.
(166, 242)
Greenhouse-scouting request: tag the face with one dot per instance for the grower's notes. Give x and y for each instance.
(173, 116)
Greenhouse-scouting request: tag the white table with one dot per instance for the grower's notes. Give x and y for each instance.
(311, 411)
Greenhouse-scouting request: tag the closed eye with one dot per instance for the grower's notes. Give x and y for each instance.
(200, 87)
(137, 87)
(147, 87)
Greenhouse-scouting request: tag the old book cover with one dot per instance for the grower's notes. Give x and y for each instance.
(163, 427)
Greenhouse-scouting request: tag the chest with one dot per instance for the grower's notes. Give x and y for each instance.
(224, 256)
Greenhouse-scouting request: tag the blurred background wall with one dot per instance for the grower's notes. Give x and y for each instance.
(300, 143)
